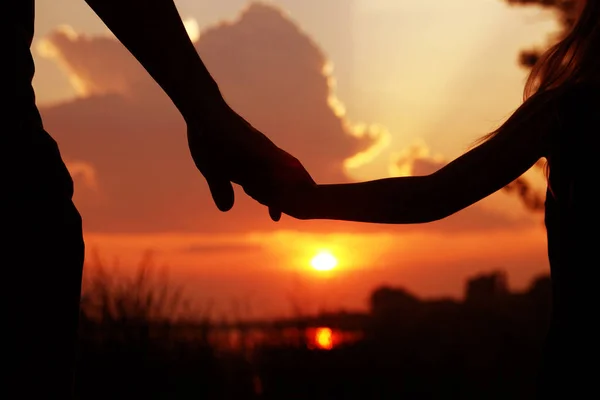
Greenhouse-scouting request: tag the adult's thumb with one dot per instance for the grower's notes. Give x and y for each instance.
(275, 214)
(222, 192)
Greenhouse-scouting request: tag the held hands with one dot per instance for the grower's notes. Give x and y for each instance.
(298, 199)
(226, 149)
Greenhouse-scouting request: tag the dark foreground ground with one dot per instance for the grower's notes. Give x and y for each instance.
(485, 347)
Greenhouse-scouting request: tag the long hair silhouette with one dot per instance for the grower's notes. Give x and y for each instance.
(574, 59)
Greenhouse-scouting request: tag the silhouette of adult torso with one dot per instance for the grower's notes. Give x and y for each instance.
(572, 221)
(23, 26)
(45, 241)
(42, 172)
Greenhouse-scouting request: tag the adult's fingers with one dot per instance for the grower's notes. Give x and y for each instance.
(221, 191)
(264, 193)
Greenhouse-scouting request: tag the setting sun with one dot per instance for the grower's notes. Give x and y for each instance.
(324, 261)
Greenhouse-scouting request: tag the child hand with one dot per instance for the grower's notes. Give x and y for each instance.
(297, 199)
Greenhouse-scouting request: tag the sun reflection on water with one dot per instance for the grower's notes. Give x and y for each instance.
(324, 338)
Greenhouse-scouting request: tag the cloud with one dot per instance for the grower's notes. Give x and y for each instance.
(192, 28)
(415, 160)
(84, 171)
(123, 124)
(376, 134)
(95, 65)
(285, 81)
(268, 69)
(221, 248)
(532, 198)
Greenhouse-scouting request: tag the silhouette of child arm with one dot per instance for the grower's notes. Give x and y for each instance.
(485, 169)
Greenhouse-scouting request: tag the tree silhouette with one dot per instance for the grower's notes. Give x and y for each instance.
(565, 11)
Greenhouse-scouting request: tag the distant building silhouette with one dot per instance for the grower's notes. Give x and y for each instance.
(541, 287)
(487, 287)
(387, 301)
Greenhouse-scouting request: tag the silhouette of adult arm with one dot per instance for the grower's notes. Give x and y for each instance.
(483, 170)
(224, 146)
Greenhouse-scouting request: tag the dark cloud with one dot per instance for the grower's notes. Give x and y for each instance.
(415, 160)
(220, 248)
(128, 131)
(532, 198)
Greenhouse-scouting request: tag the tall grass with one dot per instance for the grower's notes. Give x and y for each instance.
(144, 295)
(140, 338)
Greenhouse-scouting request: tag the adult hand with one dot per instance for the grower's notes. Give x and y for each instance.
(226, 149)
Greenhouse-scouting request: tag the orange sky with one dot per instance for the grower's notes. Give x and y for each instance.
(427, 77)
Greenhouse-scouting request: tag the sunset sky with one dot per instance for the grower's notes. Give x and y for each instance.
(356, 89)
